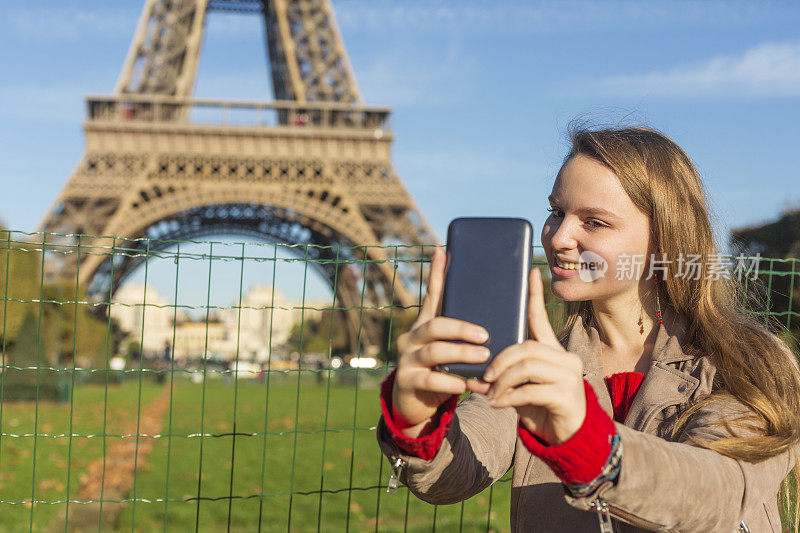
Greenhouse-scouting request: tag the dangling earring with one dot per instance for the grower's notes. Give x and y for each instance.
(658, 304)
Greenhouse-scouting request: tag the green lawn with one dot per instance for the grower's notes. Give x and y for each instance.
(279, 479)
(275, 480)
(288, 468)
(59, 461)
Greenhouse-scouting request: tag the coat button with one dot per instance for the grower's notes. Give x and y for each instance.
(682, 387)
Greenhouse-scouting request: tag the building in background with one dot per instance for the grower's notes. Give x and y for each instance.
(149, 324)
(255, 330)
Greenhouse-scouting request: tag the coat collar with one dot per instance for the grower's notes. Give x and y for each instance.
(663, 385)
(586, 343)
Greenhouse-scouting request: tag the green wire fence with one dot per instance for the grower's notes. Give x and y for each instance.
(248, 412)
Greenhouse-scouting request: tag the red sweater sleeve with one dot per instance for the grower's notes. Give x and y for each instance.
(581, 458)
(427, 444)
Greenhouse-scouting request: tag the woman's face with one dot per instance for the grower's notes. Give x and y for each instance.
(592, 222)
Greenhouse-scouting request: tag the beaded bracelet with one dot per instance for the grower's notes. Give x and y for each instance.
(609, 473)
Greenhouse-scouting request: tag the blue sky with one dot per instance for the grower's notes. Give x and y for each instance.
(482, 92)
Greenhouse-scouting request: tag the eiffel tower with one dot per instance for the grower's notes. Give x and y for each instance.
(311, 167)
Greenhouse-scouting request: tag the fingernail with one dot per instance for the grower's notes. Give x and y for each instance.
(492, 402)
(483, 353)
(488, 375)
(482, 335)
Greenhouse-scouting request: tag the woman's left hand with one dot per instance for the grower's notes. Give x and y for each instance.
(538, 377)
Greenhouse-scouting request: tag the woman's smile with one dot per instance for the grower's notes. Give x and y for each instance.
(570, 271)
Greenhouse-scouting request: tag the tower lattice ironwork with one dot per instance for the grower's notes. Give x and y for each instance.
(310, 167)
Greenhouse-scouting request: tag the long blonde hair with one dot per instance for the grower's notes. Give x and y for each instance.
(753, 364)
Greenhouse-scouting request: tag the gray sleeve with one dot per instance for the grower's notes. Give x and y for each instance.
(677, 486)
(477, 451)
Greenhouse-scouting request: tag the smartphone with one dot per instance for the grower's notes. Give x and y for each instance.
(486, 282)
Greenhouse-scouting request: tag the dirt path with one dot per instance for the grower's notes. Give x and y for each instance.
(119, 473)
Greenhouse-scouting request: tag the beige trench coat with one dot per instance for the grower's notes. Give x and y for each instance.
(662, 485)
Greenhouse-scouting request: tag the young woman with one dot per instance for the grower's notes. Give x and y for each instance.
(660, 406)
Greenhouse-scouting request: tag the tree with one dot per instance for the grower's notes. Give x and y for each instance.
(27, 375)
(20, 284)
(554, 306)
(780, 238)
(72, 331)
(133, 350)
(777, 288)
(65, 331)
(317, 336)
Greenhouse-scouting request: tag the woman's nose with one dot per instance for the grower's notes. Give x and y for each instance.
(561, 236)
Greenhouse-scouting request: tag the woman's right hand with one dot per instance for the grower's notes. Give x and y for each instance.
(419, 390)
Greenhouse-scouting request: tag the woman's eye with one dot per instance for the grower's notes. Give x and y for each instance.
(593, 223)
